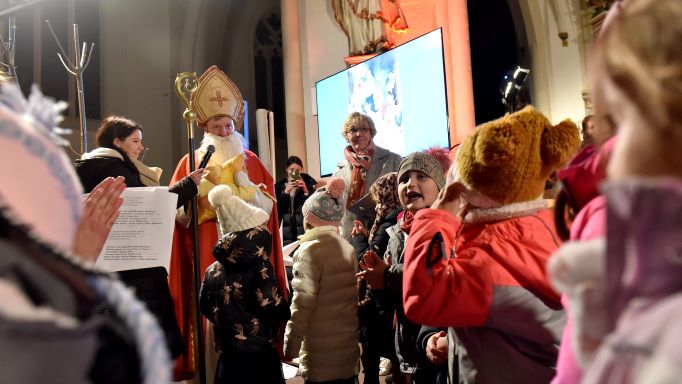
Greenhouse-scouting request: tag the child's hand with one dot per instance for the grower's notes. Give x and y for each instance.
(449, 199)
(437, 348)
(100, 211)
(372, 270)
(358, 229)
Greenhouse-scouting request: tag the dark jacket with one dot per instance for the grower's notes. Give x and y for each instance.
(240, 294)
(380, 241)
(375, 309)
(289, 210)
(93, 170)
(391, 296)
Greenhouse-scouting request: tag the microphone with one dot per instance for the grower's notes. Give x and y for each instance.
(207, 156)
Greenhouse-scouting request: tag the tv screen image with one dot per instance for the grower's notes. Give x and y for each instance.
(402, 90)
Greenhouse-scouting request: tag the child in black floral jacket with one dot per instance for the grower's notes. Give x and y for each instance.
(240, 294)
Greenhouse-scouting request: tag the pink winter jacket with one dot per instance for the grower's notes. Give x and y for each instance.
(590, 223)
(581, 178)
(626, 293)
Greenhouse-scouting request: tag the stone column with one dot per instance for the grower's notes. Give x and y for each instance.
(453, 15)
(293, 80)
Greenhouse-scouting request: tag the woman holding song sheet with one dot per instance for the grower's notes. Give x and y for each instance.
(120, 143)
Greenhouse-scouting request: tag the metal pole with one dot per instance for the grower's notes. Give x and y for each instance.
(82, 59)
(81, 113)
(197, 273)
(79, 89)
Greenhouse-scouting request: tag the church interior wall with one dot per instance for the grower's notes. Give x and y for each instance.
(557, 77)
(323, 47)
(136, 71)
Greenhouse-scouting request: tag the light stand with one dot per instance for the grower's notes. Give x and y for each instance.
(512, 82)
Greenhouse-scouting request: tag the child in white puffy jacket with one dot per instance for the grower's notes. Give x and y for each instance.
(323, 326)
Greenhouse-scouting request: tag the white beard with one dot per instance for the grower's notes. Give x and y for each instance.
(225, 147)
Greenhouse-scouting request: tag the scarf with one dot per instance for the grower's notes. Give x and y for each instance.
(149, 176)
(406, 225)
(359, 164)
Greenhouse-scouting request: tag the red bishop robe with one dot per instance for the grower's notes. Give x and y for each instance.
(181, 276)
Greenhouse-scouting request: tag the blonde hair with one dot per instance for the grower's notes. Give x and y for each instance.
(355, 118)
(640, 51)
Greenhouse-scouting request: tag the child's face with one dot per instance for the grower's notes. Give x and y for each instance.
(640, 149)
(416, 190)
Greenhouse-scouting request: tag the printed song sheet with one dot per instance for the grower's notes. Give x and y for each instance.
(143, 232)
(288, 253)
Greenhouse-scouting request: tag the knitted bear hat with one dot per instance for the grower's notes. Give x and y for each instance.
(325, 206)
(234, 214)
(509, 159)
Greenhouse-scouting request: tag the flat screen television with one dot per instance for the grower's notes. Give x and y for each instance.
(403, 90)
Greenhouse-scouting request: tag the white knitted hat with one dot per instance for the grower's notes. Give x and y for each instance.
(234, 214)
(40, 188)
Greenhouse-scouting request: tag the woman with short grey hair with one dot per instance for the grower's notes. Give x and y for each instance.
(363, 163)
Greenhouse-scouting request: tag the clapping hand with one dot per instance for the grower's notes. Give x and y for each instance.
(372, 270)
(99, 214)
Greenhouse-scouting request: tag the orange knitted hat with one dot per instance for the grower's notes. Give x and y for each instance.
(509, 159)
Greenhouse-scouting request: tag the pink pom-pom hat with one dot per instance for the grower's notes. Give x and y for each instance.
(325, 206)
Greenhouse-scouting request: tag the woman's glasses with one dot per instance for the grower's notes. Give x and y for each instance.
(354, 130)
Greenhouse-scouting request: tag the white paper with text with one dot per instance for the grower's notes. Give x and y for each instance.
(142, 235)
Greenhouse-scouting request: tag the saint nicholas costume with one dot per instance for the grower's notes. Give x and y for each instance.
(216, 96)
